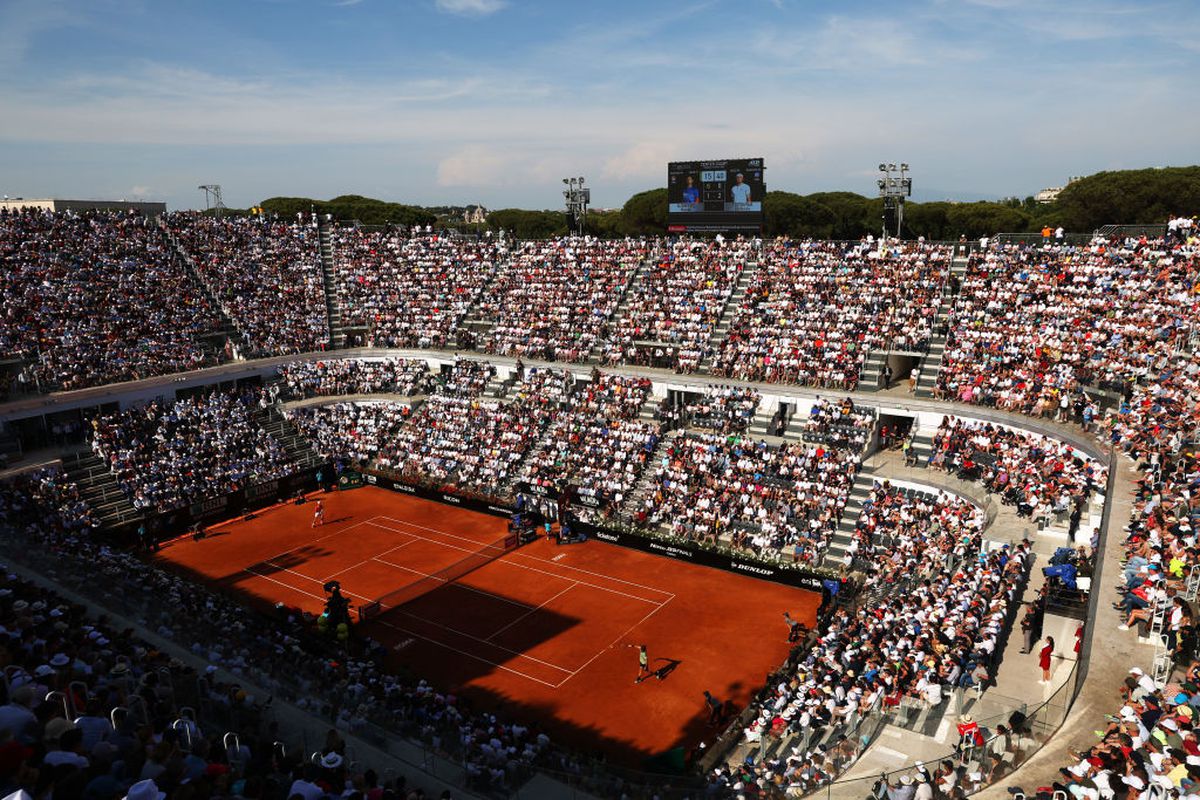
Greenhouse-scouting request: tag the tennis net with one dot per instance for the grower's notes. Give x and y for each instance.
(469, 563)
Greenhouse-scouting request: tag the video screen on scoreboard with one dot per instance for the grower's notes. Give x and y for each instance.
(724, 195)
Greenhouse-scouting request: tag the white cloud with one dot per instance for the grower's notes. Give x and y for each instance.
(474, 165)
(471, 8)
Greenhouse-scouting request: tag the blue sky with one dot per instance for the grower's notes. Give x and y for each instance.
(493, 101)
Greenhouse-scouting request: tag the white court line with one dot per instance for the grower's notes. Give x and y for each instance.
(619, 638)
(469, 655)
(367, 560)
(519, 553)
(530, 611)
(586, 583)
(516, 653)
(517, 603)
(535, 569)
(314, 541)
(427, 528)
(322, 598)
(597, 574)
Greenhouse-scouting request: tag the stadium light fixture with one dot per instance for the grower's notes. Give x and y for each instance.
(894, 187)
(577, 199)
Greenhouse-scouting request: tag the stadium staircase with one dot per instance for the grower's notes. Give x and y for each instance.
(333, 303)
(840, 541)
(872, 371)
(597, 354)
(922, 447)
(760, 423)
(725, 320)
(931, 365)
(272, 420)
(229, 328)
(646, 481)
(471, 323)
(99, 487)
(498, 387)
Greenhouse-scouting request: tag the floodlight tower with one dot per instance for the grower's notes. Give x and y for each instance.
(212, 197)
(577, 199)
(894, 187)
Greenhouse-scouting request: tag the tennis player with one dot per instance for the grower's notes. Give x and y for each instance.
(318, 514)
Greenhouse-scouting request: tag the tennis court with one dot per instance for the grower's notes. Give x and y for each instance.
(539, 628)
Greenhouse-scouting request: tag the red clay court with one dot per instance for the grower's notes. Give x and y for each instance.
(541, 630)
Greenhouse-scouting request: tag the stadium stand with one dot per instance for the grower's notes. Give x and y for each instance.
(815, 308)
(551, 300)
(266, 275)
(410, 291)
(1100, 336)
(668, 315)
(96, 298)
(166, 455)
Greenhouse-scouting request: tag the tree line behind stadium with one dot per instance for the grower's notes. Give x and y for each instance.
(1145, 196)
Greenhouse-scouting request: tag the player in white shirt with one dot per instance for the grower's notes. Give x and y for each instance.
(740, 190)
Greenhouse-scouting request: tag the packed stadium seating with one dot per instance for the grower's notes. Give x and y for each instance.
(551, 299)
(776, 502)
(167, 455)
(1034, 324)
(345, 376)
(1040, 476)
(266, 274)
(676, 303)
(410, 291)
(815, 308)
(96, 298)
(596, 443)
(1101, 336)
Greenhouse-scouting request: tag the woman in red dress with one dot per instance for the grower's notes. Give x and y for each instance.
(1044, 659)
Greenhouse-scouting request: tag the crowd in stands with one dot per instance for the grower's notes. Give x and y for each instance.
(722, 409)
(552, 298)
(903, 536)
(346, 376)
(365, 433)
(938, 633)
(456, 436)
(1149, 748)
(815, 308)
(169, 454)
(1033, 326)
(265, 273)
(841, 425)
(776, 502)
(96, 298)
(1032, 329)
(410, 291)
(70, 745)
(675, 304)
(596, 443)
(1044, 478)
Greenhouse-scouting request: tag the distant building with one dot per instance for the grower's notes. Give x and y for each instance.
(476, 215)
(1051, 194)
(51, 204)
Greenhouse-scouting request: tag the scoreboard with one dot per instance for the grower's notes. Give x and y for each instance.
(724, 195)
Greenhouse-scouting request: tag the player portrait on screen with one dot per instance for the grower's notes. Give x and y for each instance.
(691, 192)
(740, 191)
